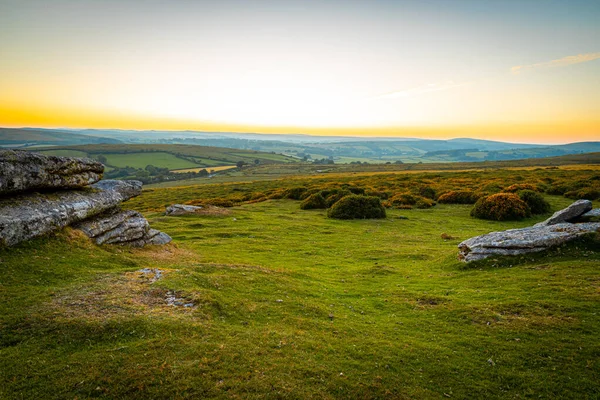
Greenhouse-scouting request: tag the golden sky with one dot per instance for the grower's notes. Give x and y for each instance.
(513, 71)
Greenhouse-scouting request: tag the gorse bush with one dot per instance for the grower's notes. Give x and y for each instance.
(356, 206)
(334, 196)
(535, 201)
(459, 197)
(427, 192)
(314, 201)
(521, 186)
(589, 193)
(295, 193)
(501, 207)
(408, 201)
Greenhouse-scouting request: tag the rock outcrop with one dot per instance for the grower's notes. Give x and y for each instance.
(522, 241)
(590, 215)
(182, 209)
(540, 237)
(68, 198)
(568, 214)
(122, 227)
(26, 171)
(26, 216)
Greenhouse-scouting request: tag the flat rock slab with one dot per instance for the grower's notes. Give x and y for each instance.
(27, 216)
(523, 241)
(22, 171)
(122, 227)
(568, 214)
(182, 209)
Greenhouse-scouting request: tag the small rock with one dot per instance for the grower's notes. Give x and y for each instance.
(182, 209)
(568, 214)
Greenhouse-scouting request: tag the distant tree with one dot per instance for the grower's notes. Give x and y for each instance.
(256, 162)
(240, 164)
(101, 158)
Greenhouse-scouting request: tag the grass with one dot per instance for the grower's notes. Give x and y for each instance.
(290, 304)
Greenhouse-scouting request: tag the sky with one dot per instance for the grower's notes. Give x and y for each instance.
(512, 70)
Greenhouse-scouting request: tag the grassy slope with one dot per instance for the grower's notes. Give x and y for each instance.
(370, 309)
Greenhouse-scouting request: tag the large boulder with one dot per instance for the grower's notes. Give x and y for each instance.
(122, 227)
(22, 171)
(568, 214)
(522, 241)
(26, 216)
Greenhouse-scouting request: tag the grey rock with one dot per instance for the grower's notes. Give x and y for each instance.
(122, 227)
(26, 216)
(119, 227)
(523, 241)
(568, 214)
(22, 171)
(590, 215)
(182, 209)
(128, 189)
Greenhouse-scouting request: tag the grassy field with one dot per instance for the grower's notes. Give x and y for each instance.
(167, 156)
(287, 303)
(140, 160)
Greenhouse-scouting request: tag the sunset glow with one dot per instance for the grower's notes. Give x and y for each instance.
(512, 71)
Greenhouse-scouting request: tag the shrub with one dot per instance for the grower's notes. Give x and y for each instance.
(353, 189)
(427, 192)
(357, 207)
(407, 201)
(536, 202)
(335, 196)
(313, 201)
(459, 197)
(295, 193)
(277, 194)
(521, 186)
(501, 207)
(585, 193)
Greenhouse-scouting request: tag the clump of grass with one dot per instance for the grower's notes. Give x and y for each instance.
(501, 207)
(356, 206)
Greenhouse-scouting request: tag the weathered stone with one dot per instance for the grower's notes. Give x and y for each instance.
(523, 241)
(568, 214)
(152, 237)
(182, 209)
(26, 216)
(590, 215)
(22, 171)
(122, 227)
(116, 227)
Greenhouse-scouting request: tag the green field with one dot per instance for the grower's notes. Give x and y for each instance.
(167, 156)
(141, 160)
(290, 304)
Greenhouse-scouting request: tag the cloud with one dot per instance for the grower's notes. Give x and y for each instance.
(416, 91)
(561, 62)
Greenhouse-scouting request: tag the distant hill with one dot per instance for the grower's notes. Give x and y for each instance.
(35, 137)
(339, 149)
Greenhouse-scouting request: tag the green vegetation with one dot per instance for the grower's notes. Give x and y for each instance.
(292, 304)
(356, 206)
(141, 160)
(459, 197)
(535, 201)
(314, 201)
(501, 207)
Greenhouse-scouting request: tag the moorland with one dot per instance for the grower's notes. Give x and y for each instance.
(288, 303)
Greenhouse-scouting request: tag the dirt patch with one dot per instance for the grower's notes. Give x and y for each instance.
(131, 293)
